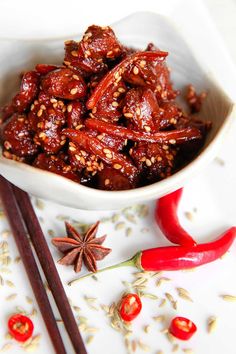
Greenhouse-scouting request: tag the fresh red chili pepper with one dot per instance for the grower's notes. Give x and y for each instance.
(168, 221)
(95, 146)
(130, 307)
(176, 136)
(112, 76)
(177, 257)
(20, 327)
(182, 328)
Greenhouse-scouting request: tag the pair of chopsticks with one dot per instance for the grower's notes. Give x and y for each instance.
(22, 219)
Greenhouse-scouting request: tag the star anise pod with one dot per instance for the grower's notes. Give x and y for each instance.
(79, 248)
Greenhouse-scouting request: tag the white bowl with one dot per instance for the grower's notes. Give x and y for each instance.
(20, 55)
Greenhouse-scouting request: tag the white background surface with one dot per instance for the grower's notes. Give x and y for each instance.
(212, 193)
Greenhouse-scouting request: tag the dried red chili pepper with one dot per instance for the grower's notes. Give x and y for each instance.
(178, 257)
(115, 74)
(172, 137)
(95, 146)
(130, 307)
(168, 221)
(182, 328)
(20, 327)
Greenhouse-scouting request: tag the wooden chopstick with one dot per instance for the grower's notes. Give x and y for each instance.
(20, 236)
(49, 268)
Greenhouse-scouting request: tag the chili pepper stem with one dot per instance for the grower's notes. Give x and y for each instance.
(132, 262)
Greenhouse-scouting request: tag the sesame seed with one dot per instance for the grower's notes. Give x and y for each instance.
(73, 91)
(40, 112)
(74, 54)
(152, 159)
(121, 89)
(107, 181)
(72, 148)
(42, 135)
(94, 110)
(115, 104)
(143, 159)
(110, 53)
(78, 127)
(76, 77)
(116, 94)
(42, 107)
(159, 158)
(67, 63)
(32, 107)
(77, 157)
(117, 75)
(135, 70)
(128, 115)
(100, 137)
(147, 128)
(106, 151)
(172, 141)
(117, 166)
(165, 147)
(142, 63)
(54, 105)
(69, 108)
(138, 111)
(53, 100)
(148, 162)
(109, 156)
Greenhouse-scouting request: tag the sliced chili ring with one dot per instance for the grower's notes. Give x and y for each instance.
(182, 328)
(20, 327)
(130, 307)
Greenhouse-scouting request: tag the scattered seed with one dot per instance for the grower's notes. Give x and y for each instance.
(143, 346)
(17, 260)
(160, 352)
(175, 348)
(120, 226)
(220, 161)
(128, 231)
(211, 324)
(229, 298)
(162, 280)
(130, 217)
(147, 328)
(115, 218)
(6, 234)
(150, 296)
(134, 345)
(6, 347)
(184, 294)
(170, 337)
(39, 204)
(162, 303)
(29, 300)
(10, 283)
(73, 91)
(188, 351)
(160, 318)
(189, 215)
(11, 297)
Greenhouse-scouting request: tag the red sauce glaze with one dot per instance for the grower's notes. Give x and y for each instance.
(107, 117)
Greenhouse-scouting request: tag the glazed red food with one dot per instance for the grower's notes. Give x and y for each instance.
(106, 118)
